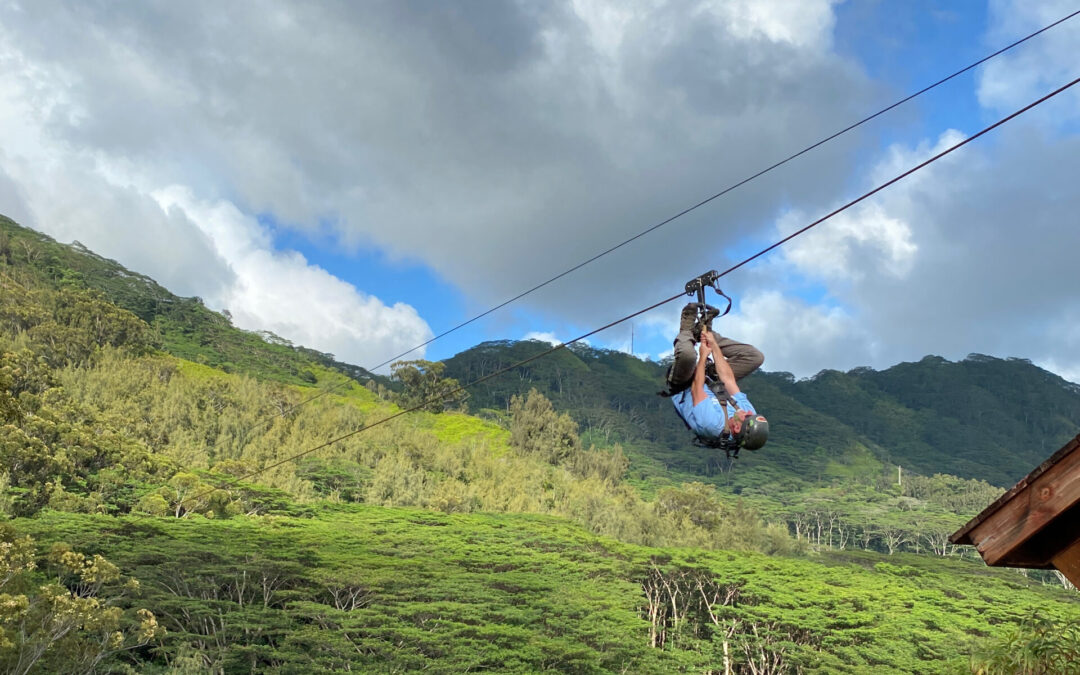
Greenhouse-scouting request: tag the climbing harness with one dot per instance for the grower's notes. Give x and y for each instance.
(725, 441)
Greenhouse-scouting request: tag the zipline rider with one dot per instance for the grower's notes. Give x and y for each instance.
(706, 393)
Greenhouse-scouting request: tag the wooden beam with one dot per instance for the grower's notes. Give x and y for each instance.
(963, 535)
(1068, 563)
(1007, 529)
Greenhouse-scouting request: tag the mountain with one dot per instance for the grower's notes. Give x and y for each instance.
(184, 327)
(981, 418)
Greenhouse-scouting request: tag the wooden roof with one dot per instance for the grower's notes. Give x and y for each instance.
(1037, 522)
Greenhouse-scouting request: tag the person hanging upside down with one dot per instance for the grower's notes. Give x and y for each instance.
(705, 391)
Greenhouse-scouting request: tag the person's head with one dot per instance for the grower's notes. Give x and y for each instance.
(751, 431)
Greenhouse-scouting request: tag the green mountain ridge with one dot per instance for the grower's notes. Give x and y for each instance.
(982, 418)
(185, 327)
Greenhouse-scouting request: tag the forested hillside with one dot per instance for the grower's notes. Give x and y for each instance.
(982, 418)
(157, 521)
(183, 327)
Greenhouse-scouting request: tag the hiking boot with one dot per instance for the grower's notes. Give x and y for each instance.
(707, 315)
(688, 319)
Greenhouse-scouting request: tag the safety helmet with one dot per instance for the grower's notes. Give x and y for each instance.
(754, 432)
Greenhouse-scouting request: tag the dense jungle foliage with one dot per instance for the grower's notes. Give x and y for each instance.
(565, 525)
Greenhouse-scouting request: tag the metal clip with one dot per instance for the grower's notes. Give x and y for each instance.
(698, 285)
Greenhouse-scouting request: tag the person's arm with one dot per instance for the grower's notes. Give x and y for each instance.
(723, 369)
(697, 389)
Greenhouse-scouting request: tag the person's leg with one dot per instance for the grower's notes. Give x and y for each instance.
(682, 370)
(743, 358)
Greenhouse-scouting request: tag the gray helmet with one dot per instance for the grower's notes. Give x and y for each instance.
(754, 432)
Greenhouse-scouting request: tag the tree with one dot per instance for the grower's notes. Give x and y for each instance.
(694, 502)
(424, 384)
(185, 494)
(60, 618)
(536, 429)
(1034, 647)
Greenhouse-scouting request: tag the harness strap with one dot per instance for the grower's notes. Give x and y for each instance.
(723, 405)
(724, 442)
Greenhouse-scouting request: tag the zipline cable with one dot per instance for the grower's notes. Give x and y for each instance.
(731, 269)
(703, 202)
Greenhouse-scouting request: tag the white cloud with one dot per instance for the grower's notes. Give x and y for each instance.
(985, 245)
(13, 201)
(1040, 66)
(841, 247)
(500, 146)
(796, 336)
(798, 22)
(66, 197)
(108, 199)
(1068, 370)
(547, 337)
(283, 293)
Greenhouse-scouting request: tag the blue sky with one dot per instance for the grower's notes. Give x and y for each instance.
(419, 163)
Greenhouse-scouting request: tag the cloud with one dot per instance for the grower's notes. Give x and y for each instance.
(797, 336)
(54, 176)
(971, 254)
(14, 205)
(281, 292)
(978, 256)
(1042, 65)
(66, 192)
(865, 233)
(70, 201)
(806, 24)
(497, 144)
(543, 337)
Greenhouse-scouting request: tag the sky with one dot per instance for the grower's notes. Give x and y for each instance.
(361, 177)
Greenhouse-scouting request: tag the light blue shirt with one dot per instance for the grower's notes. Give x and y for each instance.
(706, 419)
